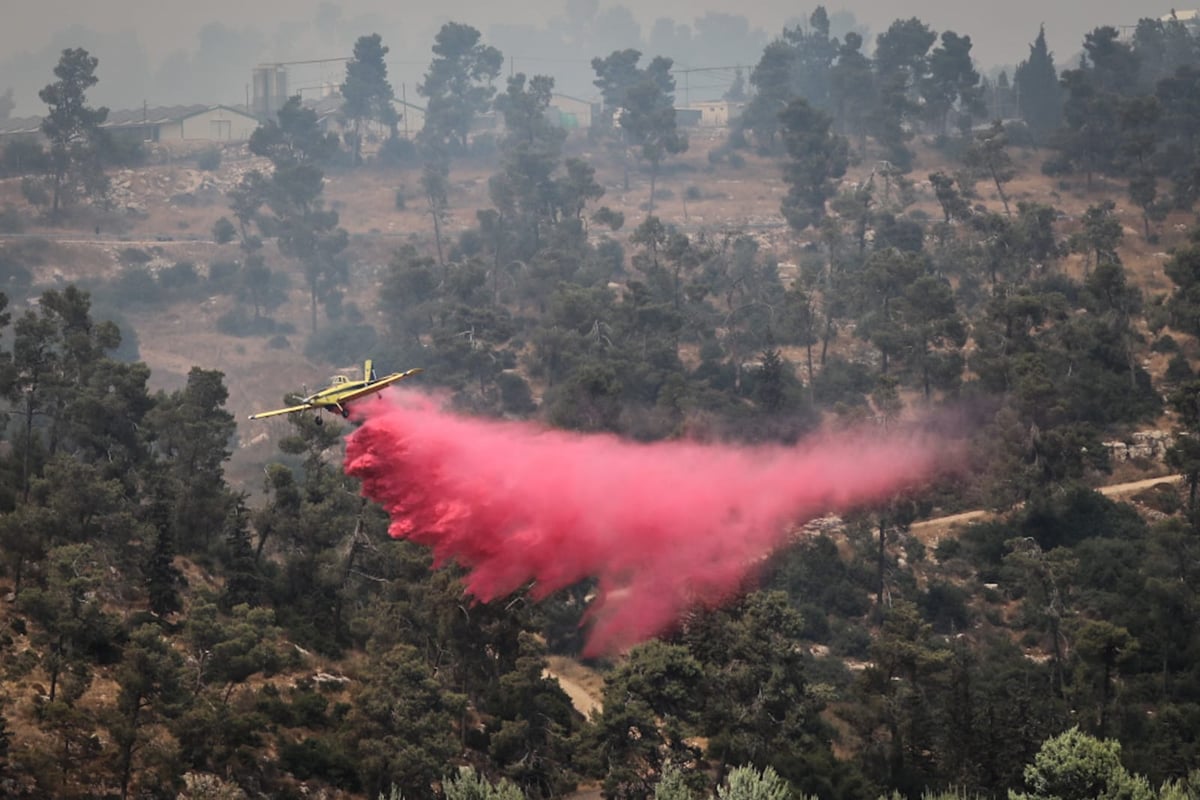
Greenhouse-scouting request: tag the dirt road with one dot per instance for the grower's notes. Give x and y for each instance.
(931, 530)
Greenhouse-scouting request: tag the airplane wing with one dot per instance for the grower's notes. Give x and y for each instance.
(278, 411)
(397, 376)
(372, 388)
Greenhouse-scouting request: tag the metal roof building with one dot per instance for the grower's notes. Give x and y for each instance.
(196, 123)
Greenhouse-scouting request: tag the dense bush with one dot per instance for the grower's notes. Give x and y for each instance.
(209, 160)
(332, 343)
(240, 322)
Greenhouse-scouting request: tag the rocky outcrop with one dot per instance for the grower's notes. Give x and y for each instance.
(1143, 445)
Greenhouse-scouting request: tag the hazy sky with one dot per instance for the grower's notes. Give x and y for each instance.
(162, 35)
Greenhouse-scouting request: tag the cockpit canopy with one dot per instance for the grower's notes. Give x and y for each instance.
(337, 380)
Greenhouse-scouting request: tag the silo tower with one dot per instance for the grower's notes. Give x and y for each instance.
(269, 82)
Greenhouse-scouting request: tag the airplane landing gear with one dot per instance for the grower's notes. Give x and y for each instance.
(318, 419)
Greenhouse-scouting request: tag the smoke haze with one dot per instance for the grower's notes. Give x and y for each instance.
(662, 527)
(179, 53)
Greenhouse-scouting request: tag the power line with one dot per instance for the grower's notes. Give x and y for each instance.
(552, 60)
(707, 69)
(304, 61)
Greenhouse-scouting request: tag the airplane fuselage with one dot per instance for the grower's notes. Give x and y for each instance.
(340, 392)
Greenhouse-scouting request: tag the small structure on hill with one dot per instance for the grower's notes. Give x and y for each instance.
(715, 113)
(164, 125)
(572, 113)
(410, 117)
(190, 124)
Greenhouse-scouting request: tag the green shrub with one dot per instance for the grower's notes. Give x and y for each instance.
(944, 606)
(223, 231)
(320, 758)
(209, 160)
(308, 708)
(130, 256)
(949, 547)
(180, 275)
(1179, 369)
(816, 623)
(747, 783)
(333, 343)
(515, 397)
(11, 221)
(119, 151)
(240, 322)
(270, 703)
(136, 286)
(34, 191)
(15, 275)
(850, 641)
(843, 382)
(222, 275)
(470, 785)
(396, 151)
(1165, 344)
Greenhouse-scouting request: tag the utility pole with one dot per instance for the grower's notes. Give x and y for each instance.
(404, 102)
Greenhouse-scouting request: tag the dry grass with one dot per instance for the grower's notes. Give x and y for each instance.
(583, 685)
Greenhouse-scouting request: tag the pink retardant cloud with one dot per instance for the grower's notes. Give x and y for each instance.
(662, 527)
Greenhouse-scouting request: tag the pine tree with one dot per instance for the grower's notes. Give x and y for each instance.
(73, 129)
(242, 579)
(737, 90)
(163, 579)
(1039, 96)
(304, 228)
(162, 576)
(988, 158)
(771, 391)
(150, 677)
(457, 86)
(367, 92)
(817, 159)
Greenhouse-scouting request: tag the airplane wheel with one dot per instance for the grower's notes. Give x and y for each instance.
(319, 421)
(345, 413)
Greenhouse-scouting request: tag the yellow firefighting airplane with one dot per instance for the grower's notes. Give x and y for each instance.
(341, 391)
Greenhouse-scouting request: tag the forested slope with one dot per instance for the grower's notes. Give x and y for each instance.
(1024, 290)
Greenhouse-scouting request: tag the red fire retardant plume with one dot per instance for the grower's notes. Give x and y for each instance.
(662, 527)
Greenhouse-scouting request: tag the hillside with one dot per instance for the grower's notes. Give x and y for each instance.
(169, 210)
(358, 627)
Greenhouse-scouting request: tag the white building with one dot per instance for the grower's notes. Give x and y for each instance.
(571, 112)
(214, 124)
(173, 124)
(716, 113)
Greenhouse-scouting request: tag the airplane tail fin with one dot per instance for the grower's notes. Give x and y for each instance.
(368, 372)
